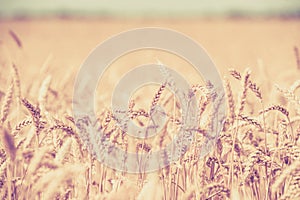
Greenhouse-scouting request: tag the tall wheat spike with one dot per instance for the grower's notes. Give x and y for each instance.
(6, 104)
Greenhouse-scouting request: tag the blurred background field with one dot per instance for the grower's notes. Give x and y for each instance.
(235, 33)
(154, 8)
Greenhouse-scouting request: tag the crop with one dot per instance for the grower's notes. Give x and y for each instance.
(256, 156)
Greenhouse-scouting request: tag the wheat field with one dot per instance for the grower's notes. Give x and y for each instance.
(256, 156)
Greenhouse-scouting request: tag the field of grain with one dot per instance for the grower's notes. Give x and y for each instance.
(256, 156)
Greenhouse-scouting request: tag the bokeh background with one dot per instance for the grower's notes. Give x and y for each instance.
(57, 35)
(154, 8)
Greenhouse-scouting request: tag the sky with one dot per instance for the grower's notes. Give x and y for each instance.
(149, 7)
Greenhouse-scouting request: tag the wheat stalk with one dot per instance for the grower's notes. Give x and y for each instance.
(8, 142)
(6, 104)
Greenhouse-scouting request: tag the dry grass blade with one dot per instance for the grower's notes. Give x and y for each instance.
(278, 108)
(151, 190)
(231, 103)
(255, 158)
(48, 182)
(1, 94)
(21, 125)
(36, 161)
(17, 84)
(2, 170)
(252, 86)
(242, 99)
(297, 56)
(237, 75)
(60, 155)
(16, 38)
(70, 118)
(255, 89)
(68, 129)
(213, 189)
(138, 113)
(286, 173)
(295, 86)
(42, 97)
(35, 113)
(251, 121)
(298, 133)
(6, 103)
(289, 95)
(8, 143)
(157, 97)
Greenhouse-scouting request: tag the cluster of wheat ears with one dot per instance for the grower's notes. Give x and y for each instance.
(256, 155)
